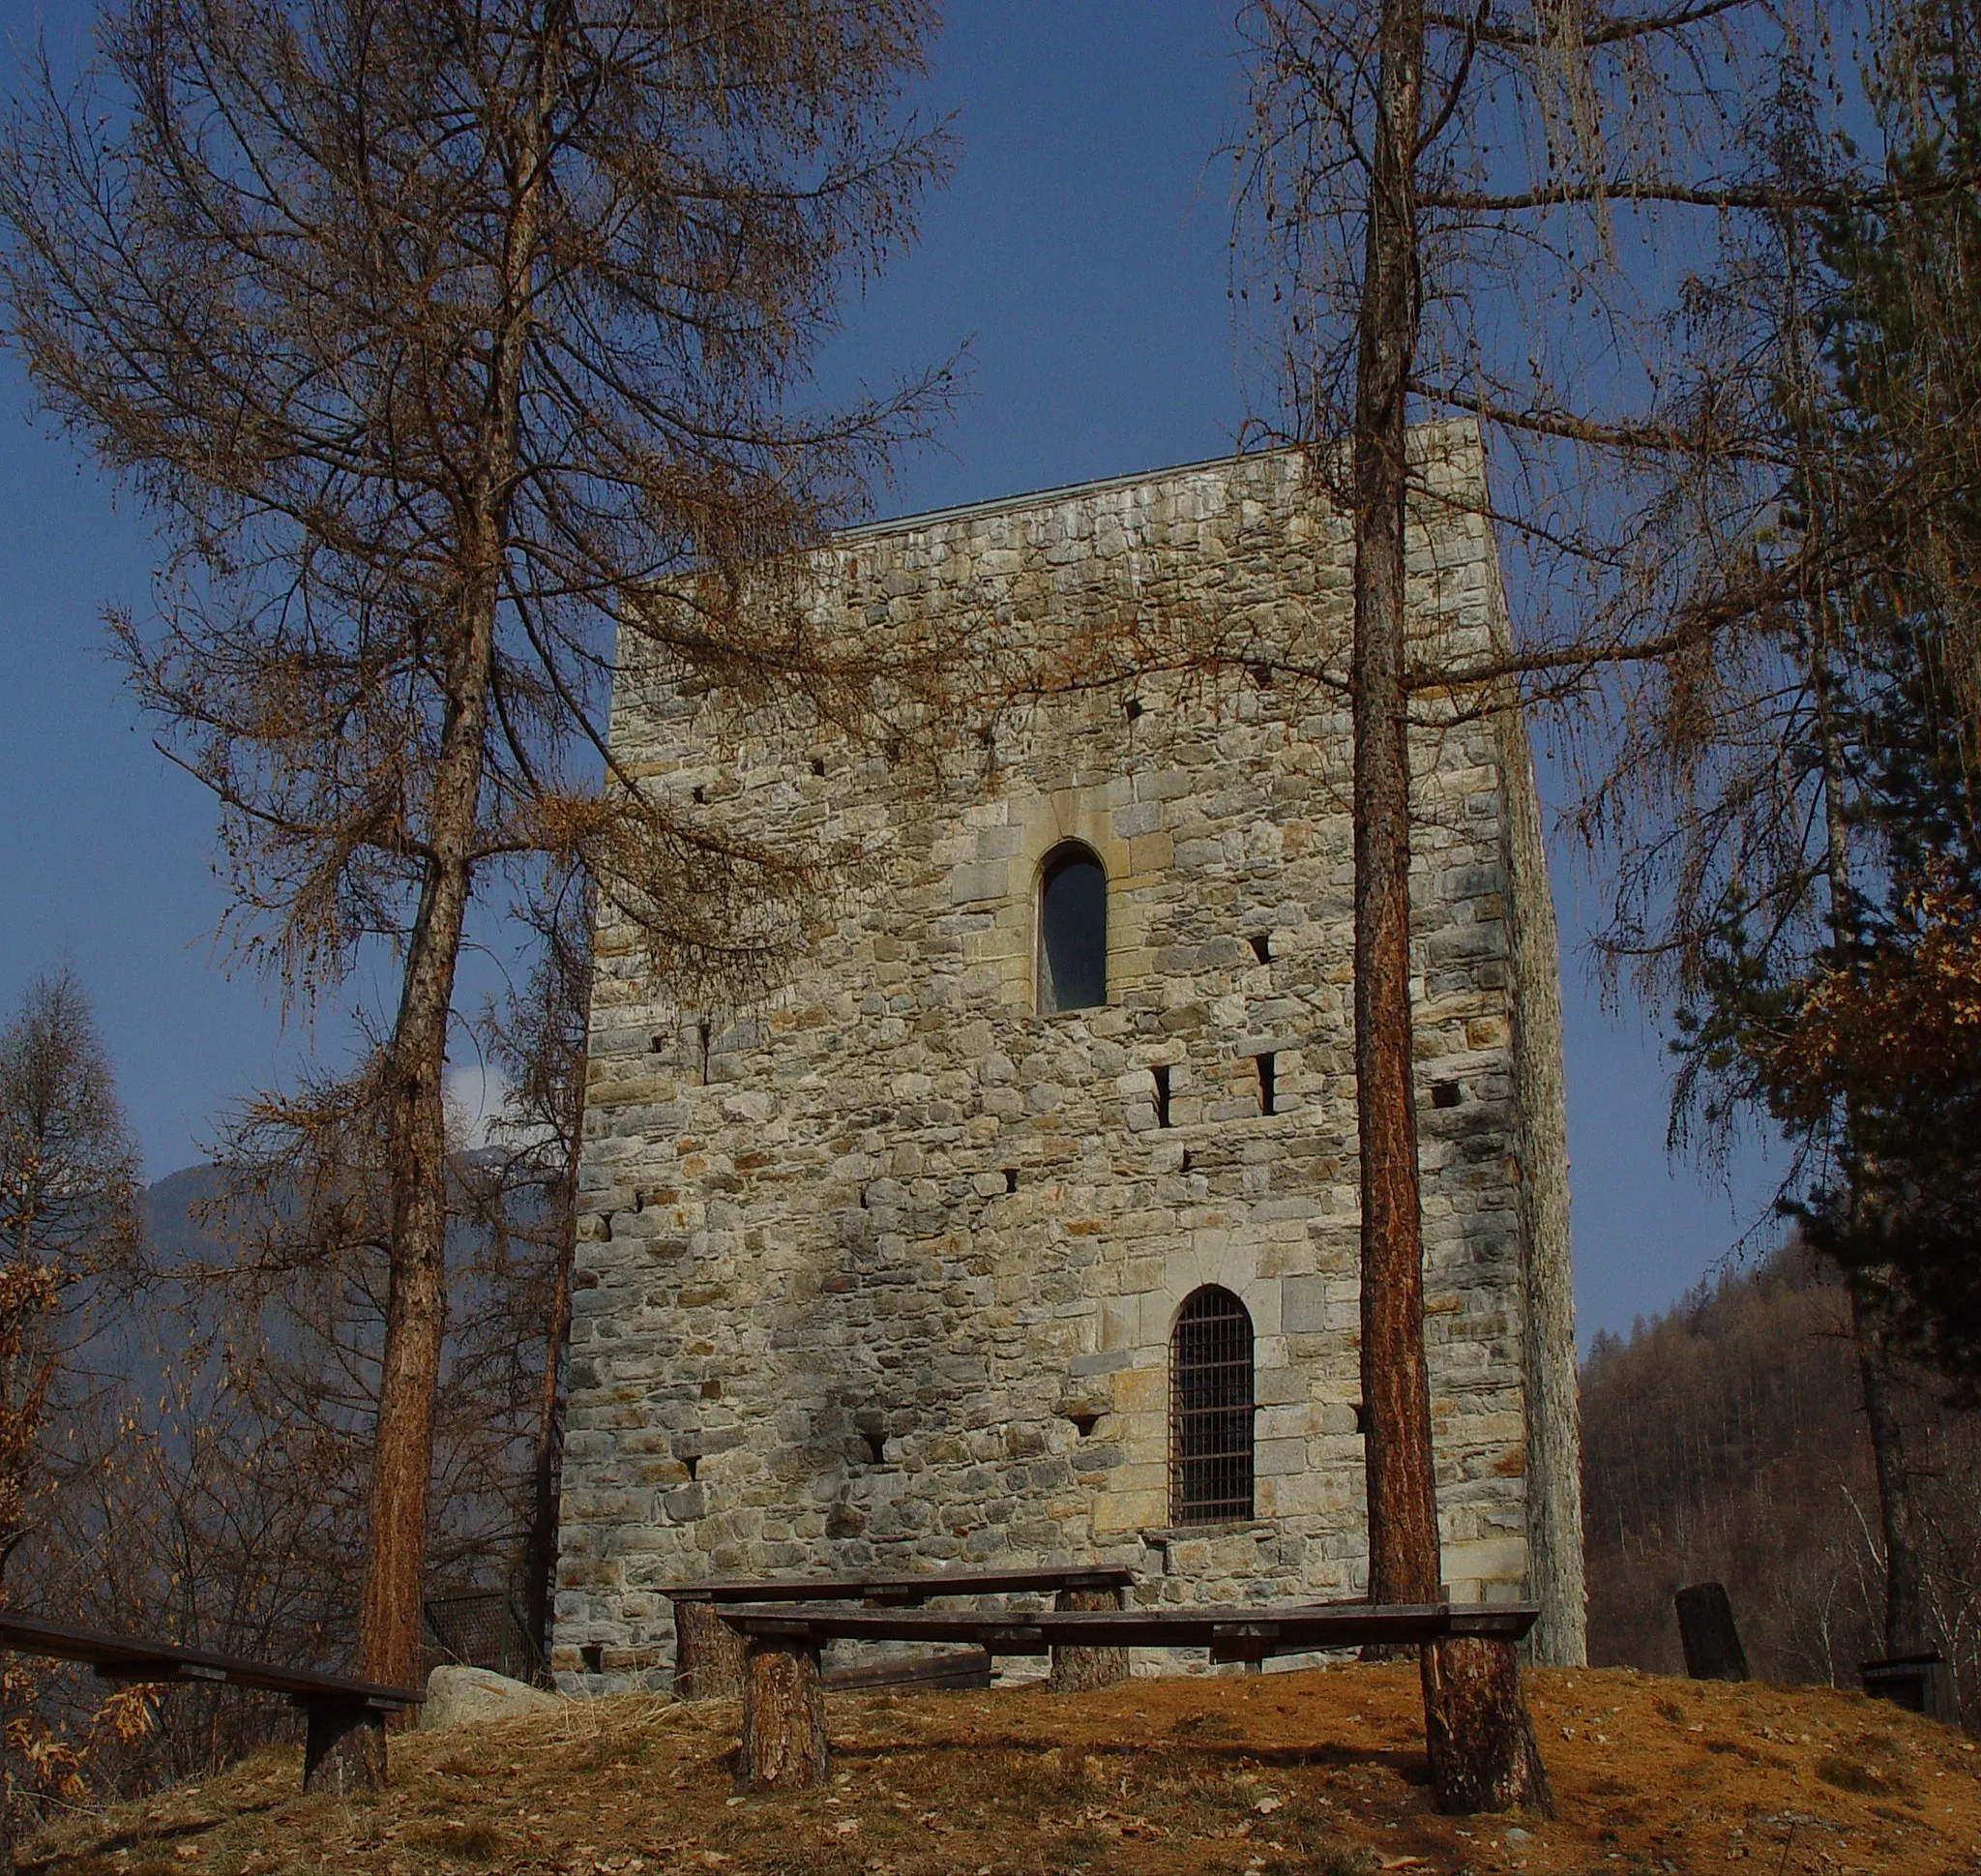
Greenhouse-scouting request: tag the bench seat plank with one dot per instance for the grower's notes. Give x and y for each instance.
(869, 1587)
(123, 1658)
(709, 1657)
(783, 1704)
(969, 1669)
(1252, 1633)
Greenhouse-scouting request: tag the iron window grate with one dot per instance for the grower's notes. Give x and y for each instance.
(1210, 1411)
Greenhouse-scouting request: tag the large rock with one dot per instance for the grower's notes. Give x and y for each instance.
(457, 1695)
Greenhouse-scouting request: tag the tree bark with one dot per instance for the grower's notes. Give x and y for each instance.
(344, 1747)
(1082, 1670)
(1905, 1578)
(416, 1296)
(1483, 1753)
(1905, 1564)
(416, 1299)
(1403, 1509)
(710, 1657)
(784, 1717)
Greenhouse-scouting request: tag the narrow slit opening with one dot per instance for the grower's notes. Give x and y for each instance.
(693, 1461)
(701, 1030)
(1160, 1074)
(1011, 1179)
(1268, 1091)
(1262, 948)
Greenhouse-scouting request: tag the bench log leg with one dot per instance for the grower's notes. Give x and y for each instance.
(708, 1653)
(1081, 1670)
(344, 1747)
(783, 1716)
(1484, 1756)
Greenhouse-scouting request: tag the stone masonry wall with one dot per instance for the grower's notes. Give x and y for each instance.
(883, 1269)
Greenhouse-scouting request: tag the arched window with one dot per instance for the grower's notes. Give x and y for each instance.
(1210, 1410)
(1072, 930)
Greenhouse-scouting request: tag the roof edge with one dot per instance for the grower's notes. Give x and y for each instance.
(1094, 486)
(1044, 498)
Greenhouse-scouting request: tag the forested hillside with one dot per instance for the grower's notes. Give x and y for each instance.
(1725, 1440)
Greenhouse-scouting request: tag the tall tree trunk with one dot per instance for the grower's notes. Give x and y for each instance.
(1403, 1564)
(1905, 1571)
(416, 1299)
(1905, 1566)
(1481, 1742)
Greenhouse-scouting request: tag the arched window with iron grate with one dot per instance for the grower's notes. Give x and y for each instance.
(1210, 1410)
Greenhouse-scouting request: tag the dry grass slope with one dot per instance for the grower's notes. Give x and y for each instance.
(1316, 1774)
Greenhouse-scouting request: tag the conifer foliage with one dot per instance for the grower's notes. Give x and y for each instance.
(430, 332)
(68, 1223)
(1838, 987)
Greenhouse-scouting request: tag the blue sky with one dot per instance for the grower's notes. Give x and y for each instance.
(1080, 254)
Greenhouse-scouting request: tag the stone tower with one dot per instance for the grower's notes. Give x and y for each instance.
(1018, 1222)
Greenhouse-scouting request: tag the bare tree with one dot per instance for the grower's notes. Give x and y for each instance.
(68, 1192)
(1440, 202)
(68, 1210)
(67, 1166)
(1723, 1440)
(1775, 800)
(430, 333)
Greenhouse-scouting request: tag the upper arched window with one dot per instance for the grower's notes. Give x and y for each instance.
(1072, 930)
(1210, 1410)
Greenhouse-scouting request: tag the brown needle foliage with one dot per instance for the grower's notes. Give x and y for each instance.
(67, 1189)
(1443, 205)
(428, 333)
(68, 1224)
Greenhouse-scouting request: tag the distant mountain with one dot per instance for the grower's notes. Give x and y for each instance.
(170, 1208)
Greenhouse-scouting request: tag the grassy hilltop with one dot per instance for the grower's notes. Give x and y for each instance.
(1317, 1774)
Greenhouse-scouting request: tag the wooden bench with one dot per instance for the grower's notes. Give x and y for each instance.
(968, 1667)
(783, 1704)
(344, 1747)
(708, 1653)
